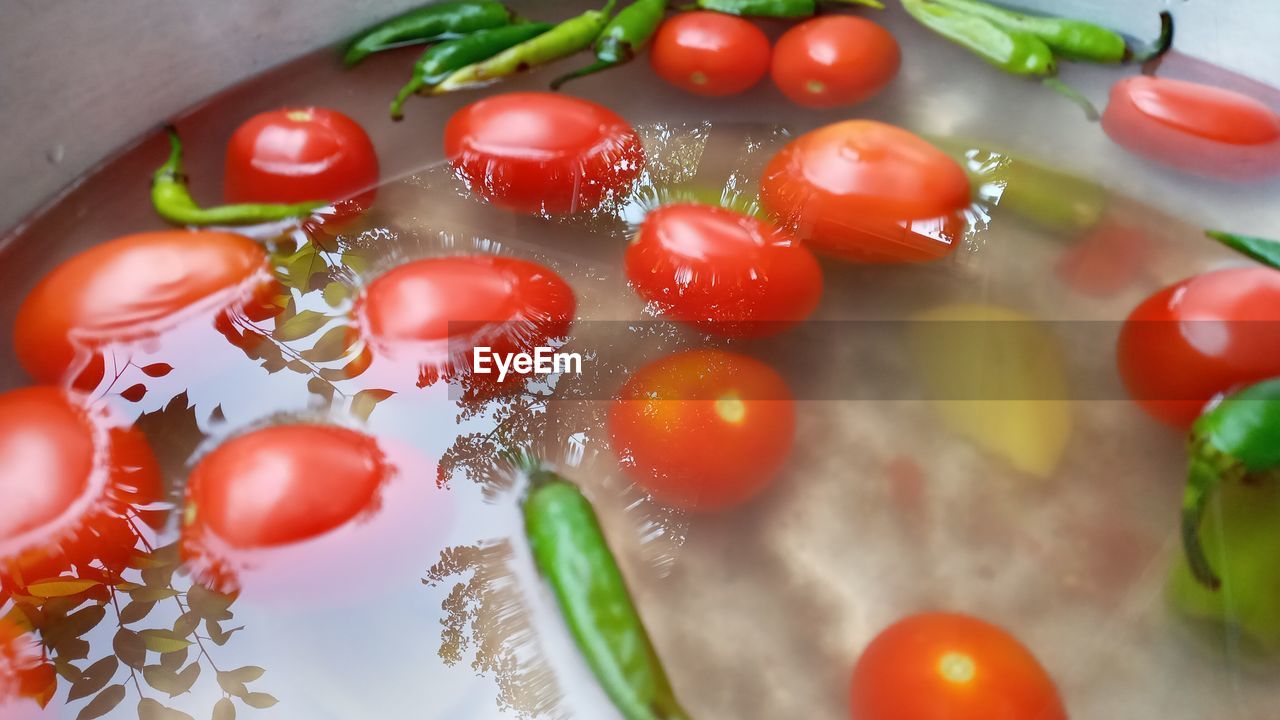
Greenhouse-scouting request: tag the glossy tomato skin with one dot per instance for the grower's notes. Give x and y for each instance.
(727, 272)
(128, 289)
(1195, 128)
(71, 477)
(868, 192)
(299, 154)
(710, 53)
(536, 152)
(834, 61)
(944, 665)
(1206, 335)
(703, 430)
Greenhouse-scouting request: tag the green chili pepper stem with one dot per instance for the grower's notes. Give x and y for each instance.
(1075, 96)
(592, 69)
(1162, 44)
(437, 21)
(1263, 250)
(1203, 477)
(171, 198)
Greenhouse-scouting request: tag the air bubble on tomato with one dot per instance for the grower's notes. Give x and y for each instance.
(724, 271)
(130, 289)
(296, 155)
(74, 482)
(865, 191)
(710, 53)
(703, 430)
(1199, 338)
(1195, 128)
(834, 61)
(429, 314)
(543, 153)
(947, 665)
(305, 508)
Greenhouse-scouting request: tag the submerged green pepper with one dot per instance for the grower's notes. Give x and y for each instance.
(437, 21)
(172, 199)
(1072, 39)
(630, 30)
(570, 551)
(571, 36)
(775, 8)
(440, 60)
(1237, 439)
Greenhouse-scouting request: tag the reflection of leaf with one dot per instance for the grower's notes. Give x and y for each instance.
(208, 604)
(103, 703)
(331, 346)
(217, 634)
(232, 686)
(174, 660)
(60, 587)
(73, 649)
(160, 679)
(173, 433)
(363, 403)
(335, 293)
(135, 611)
(130, 648)
(74, 625)
(163, 641)
(186, 624)
(156, 370)
(224, 710)
(152, 594)
(149, 709)
(134, 393)
(246, 674)
(95, 677)
(259, 700)
(300, 325)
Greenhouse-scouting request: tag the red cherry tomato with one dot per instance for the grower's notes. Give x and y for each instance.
(1106, 261)
(69, 477)
(300, 154)
(866, 191)
(1206, 335)
(1195, 128)
(942, 665)
(703, 430)
(710, 53)
(543, 152)
(129, 289)
(729, 273)
(25, 680)
(834, 61)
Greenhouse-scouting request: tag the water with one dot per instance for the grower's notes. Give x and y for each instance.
(432, 608)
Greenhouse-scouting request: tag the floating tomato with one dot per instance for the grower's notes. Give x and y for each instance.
(834, 60)
(71, 479)
(870, 192)
(129, 289)
(432, 312)
(703, 430)
(943, 665)
(1200, 337)
(727, 272)
(25, 680)
(300, 154)
(543, 152)
(710, 53)
(1195, 128)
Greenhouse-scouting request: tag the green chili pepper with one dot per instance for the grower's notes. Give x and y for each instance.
(1264, 251)
(571, 36)
(624, 36)
(775, 8)
(1072, 39)
(570, 551)
(440, 60)
(1237, 438)
(172, 199)
(437, 21)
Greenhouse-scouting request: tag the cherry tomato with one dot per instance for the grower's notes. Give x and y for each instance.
(710, 53)
(834, 61)
(434, 311)
(942, 665)
(865, 191)
(543, 152)
(128, 289)
(1195, 128)
(703, 430)
(729, 273)
(24, 679)
(300, 154)
(1106, 261)
(1205, 335)
(69, 477)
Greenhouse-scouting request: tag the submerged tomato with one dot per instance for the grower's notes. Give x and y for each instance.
(834, 60)
(69, 478)
(1206, 335)
(729, 273)
(703, 430)
(300, 154)
(543, 152)
(865, 191)
(1196, 128)
(432, 312)
(943, 665)
(710, 53)
(126, 290)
